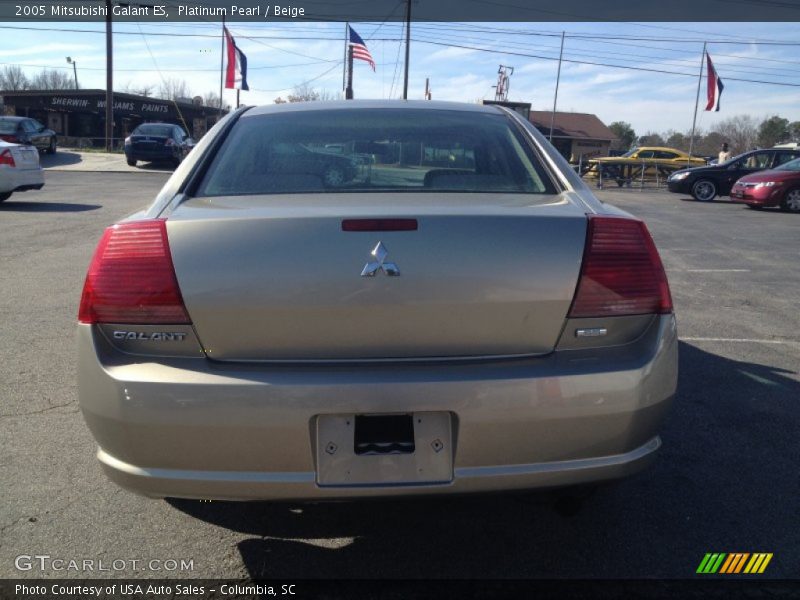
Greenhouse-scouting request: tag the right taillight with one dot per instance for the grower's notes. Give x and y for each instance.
(6, 158)
(131, 278)
(621, 273)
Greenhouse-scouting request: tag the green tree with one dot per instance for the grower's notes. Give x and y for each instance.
(773, 130)
(677, 140)
(794, 131)
(626, 136)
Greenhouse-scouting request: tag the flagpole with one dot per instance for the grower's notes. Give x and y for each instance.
(348, 92)
(221, 64)
(696, 101)
(408, 48)
(344, 63)
(555, 96)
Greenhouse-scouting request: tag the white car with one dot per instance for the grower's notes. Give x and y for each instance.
(19, 169)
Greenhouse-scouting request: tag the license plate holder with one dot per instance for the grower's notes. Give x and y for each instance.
(427, 459)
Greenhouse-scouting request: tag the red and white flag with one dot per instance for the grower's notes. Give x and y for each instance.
(715, 86)
(236, 71)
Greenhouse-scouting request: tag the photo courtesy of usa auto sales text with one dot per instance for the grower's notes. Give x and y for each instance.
(138, 590)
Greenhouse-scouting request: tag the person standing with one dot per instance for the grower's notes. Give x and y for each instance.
(724, 154)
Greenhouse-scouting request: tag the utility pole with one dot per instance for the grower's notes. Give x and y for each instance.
(348, 93)
(555, 96)
(427, 89)
(109, 81)
(408, 47)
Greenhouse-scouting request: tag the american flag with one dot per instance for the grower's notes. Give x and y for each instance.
(360, 48)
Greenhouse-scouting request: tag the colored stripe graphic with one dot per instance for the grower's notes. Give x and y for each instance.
(711, 562)
(738, 562)
(734, 563)
(758, 563)
(727, 564)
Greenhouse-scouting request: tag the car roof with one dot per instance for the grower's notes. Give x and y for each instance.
(368, 104)
(664, 148)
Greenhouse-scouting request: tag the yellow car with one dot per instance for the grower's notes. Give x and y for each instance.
(654, 155)
(653, 158)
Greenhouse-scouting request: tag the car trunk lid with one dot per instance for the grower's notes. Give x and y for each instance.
(278, 278)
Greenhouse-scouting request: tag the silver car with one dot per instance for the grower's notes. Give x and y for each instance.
(461, 315)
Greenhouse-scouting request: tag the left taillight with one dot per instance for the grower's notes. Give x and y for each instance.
(6, 158)
(131, 278)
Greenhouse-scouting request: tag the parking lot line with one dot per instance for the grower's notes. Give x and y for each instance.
(741, 340)
(711, 270)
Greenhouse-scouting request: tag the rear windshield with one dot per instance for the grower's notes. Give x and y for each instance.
(375, 150)
(160, 130)
(8, 126)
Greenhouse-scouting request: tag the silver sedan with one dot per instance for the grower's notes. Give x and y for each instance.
(460, 315)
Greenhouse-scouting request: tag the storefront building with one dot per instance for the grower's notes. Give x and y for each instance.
(79, 116)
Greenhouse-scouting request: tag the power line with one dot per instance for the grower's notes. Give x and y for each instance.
(586, 62)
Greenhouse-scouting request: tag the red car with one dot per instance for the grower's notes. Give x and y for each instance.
(776, 187)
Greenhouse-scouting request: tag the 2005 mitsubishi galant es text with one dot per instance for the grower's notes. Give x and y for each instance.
(461, 315)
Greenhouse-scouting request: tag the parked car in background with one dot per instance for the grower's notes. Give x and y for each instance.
(158, 142)
(293, 158)
(774, 187)
(706, 183)
(19, 169)
(267, 331)
(22, 130)
(651, 155)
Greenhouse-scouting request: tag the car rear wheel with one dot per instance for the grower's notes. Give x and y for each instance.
(791, 201)
(5, 196)
(131, 162)
(704, 190)
(333, 176)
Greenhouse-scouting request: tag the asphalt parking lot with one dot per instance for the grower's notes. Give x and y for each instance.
(726, 480)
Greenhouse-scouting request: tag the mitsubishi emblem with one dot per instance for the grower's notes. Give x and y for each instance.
(371, 268)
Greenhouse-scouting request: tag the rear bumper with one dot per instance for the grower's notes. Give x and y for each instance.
(165, 153)
(20, 180)
(199, 429)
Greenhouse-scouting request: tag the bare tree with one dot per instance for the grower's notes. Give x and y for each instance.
(306, 93)
(143, 89)
(651, 138)
(741, 132)
(303, 93)
(52, 79)
(13, 78)
(211, 99)
(171, 89)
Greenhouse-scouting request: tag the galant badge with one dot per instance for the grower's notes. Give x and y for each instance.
(380, 264)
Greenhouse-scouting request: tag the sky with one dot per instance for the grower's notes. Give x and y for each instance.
(460, 59)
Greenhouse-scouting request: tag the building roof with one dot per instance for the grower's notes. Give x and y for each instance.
(583, 126)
